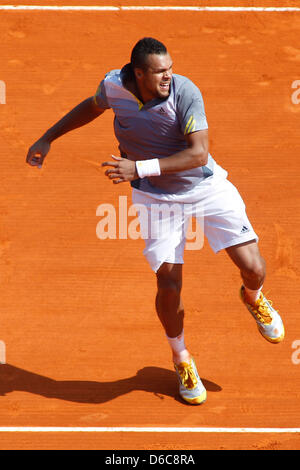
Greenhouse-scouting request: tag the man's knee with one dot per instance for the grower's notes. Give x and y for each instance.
(169, 278)
(169, 286)
(255, 268)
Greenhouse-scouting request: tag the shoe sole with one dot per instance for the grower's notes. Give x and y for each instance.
(197, 400)
(273, 340)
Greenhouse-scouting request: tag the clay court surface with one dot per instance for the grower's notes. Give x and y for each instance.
(84, 347)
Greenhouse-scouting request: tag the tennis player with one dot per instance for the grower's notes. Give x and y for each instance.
(162, 130)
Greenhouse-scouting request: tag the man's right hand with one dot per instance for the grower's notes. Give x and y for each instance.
(79, 116)
(37, 152)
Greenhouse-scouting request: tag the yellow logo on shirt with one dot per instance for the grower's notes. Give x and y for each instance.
(190, 125)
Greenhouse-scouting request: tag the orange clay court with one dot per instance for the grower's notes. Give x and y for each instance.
(84, 347)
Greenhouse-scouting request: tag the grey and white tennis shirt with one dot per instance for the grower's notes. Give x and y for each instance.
(157, 129)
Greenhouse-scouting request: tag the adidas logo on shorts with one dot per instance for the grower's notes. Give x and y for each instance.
(245, 229)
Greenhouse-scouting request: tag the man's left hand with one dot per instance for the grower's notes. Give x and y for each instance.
(123, 170)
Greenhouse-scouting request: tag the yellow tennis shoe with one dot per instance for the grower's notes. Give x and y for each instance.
(268, 320)
(191, 389)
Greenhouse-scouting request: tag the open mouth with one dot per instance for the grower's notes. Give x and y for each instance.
(165, 86)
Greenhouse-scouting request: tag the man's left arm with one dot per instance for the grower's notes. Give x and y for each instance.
(194, 127)
(195, 155)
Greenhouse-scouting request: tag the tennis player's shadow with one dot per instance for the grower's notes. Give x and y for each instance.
(161, 382)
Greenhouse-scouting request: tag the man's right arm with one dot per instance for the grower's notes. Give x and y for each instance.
(82, 114)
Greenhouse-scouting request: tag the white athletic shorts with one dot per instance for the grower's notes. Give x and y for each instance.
(165, 220)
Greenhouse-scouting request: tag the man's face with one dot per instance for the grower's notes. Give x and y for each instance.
(155, 81)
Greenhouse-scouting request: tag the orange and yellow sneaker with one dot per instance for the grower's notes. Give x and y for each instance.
(268, 320)
(191, 389)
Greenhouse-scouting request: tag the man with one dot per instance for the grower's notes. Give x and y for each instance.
(161, 127)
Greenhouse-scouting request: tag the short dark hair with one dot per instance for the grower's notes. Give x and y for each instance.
(142, 49)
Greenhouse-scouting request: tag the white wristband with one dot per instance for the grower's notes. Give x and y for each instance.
(148, 167)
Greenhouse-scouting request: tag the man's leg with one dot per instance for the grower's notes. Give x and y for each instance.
(253, 271)
(168, 301)
(170, 309)
(252, 267)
